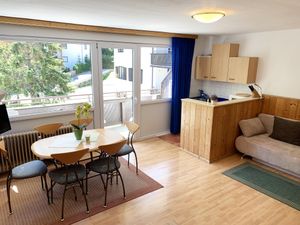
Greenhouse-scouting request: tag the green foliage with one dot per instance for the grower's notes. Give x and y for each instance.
(106, 74)
(83, 66)
(81, 111)
(32, 69)
(107, 58)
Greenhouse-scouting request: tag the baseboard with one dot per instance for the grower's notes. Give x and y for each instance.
(152, 136)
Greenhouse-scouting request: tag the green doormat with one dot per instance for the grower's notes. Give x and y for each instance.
(271, 184)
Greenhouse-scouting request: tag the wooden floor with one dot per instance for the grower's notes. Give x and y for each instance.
(194, 193)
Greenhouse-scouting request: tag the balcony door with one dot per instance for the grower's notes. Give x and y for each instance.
(117, 71)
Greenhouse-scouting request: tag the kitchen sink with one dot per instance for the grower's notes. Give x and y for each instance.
(205, 100)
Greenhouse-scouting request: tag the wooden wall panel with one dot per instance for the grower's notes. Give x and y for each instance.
(210, 131)
(206, 131)
(225, 128)
(281, 106)
(298, 112)
(196, 126)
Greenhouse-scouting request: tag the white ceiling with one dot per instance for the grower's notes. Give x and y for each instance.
(242, 16)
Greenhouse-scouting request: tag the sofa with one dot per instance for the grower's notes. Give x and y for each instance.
(257, 142)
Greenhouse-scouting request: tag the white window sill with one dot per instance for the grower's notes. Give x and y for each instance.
(157, 101)
(42, 115)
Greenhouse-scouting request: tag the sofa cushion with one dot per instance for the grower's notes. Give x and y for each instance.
(252, 127)
(286, 130)
(268, 122)
(278, 153)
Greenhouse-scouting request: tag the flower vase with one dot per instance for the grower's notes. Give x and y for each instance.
(78, 133)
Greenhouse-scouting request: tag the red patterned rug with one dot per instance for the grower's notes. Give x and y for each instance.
(29, 201)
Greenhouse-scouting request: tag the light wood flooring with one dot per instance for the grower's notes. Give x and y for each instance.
(194, 193)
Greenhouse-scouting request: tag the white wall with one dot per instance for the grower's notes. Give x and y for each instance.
(278, 51)
(149, 125)
(155, 119)
(279, 62)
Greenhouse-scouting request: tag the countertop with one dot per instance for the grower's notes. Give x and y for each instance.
(218, 104)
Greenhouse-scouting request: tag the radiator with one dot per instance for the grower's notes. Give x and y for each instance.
(18, 146)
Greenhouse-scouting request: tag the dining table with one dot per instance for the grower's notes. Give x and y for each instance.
(91, 139)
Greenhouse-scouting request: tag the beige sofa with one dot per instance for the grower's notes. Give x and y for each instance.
(259, 145)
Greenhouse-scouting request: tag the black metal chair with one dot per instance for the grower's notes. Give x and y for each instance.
(27, 170)
(70, 174)
(128, 148)
(44, 131)
(107, 165)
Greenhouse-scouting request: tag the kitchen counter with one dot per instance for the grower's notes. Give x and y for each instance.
(222, 103)
(209, 130)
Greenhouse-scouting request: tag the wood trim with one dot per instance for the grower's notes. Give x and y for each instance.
(210, 132)
(89, 28)
(281, 106)
(225, 126)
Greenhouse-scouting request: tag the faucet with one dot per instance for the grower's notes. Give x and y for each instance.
(204, 96)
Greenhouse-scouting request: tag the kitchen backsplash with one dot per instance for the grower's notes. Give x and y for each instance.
(223, 89)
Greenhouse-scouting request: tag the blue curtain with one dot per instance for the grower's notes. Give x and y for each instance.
(182, 57)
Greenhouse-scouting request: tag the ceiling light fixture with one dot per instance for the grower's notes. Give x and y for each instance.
(208, 17)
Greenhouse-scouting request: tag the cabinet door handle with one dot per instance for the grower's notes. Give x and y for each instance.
(231, 78)
(205, 76)
(213, 77)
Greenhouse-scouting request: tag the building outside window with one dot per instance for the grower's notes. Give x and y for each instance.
(42, 77)
(156, 66)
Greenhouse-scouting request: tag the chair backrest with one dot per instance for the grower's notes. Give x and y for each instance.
(70, 157)
(80, 122)
(4, 152)
(2, 148)
(48, 129)
(132, 127)
(112, 149)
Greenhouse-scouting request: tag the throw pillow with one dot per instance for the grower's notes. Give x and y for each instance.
(251, 127)
(286, 130)
(268, 121)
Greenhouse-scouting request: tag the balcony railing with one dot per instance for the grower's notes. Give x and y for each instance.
(161, 60)
(117, 105)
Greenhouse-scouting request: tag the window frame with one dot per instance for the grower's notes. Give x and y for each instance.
(140, 46)
(95, 44)
(63, 41)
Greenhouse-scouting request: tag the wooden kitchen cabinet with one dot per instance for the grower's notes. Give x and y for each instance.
(208, 131)
(202, 71)
(220, 60)
(242, 70)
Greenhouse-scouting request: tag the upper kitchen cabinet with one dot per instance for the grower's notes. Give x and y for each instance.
(242, 69)
(220, 60)
(202, 71)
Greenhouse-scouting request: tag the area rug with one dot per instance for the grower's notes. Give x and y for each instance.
(30, 207)
(269, 183)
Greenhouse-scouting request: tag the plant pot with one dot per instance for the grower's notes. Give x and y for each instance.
(78, 133)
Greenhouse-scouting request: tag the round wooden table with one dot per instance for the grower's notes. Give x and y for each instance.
(44, 148)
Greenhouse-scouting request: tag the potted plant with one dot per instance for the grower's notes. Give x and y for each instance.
(82, 112)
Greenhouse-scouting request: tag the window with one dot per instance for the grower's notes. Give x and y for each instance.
(42, 77)
(156, 72)
(65, 59)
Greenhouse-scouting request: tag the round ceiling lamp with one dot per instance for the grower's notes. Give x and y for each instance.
(208, 17)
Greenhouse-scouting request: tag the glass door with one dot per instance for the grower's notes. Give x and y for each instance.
(117, 73)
